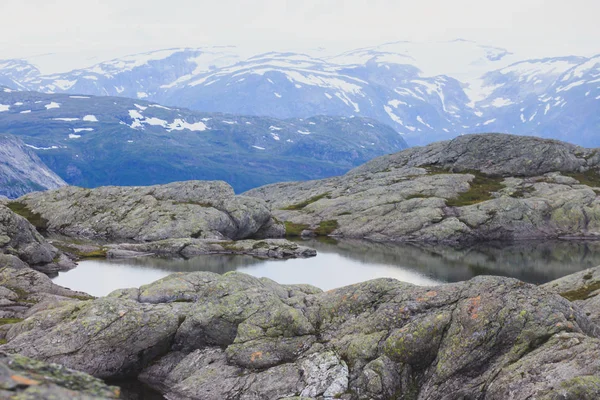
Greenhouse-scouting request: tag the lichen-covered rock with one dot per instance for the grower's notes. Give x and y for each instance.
(209, 336)
(583, 289)
(24, 291)
(472, 188)
(198, 209)
(19, 238)
(22, 378)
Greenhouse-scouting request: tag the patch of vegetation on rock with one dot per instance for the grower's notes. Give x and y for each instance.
(481, 189)
(293, 229)
(34, 219)
(302, 204)
(326, 227)
(7, 321)
(581, 293)
(522, 192)
(589, 178)
(79, 253)
(417, 196)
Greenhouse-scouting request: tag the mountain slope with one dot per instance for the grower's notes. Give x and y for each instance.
(92, 141)
(426, 91)
(21, 170)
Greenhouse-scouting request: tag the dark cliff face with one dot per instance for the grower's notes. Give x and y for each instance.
(22, 171)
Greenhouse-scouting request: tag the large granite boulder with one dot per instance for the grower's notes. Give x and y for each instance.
(472, 188)
(209, 336)
(19, 238)
(193, 209)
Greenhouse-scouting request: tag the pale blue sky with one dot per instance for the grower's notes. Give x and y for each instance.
(94, 30)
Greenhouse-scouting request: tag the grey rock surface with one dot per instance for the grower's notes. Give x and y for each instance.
(192, 209)
(233, 336)
(472, 188)
(583, 289)
(24, 291)
(19, 238)
(22, 171)
(22, 378)
(187, 248)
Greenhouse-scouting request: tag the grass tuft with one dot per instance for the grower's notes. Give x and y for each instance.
(481, 189)
(302, 204)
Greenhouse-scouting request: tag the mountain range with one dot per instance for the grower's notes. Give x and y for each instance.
(425, 91)
(94, 141)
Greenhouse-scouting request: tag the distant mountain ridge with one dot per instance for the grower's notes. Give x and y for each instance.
(99, 140)
(426, 91)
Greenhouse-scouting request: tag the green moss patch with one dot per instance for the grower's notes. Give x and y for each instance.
(326, 227)
(293, 229)
(97, 253)
(302, 204)
(6, 321)
(481, 189)
(582, 293)
(34, 219)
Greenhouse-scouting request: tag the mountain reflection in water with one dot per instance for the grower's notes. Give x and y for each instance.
(345, 262)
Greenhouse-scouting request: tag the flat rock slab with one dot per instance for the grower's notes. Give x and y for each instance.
(267, 248)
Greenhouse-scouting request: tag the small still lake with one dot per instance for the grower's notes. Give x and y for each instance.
(345, 262)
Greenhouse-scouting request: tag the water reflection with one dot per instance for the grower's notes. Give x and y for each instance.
(344, 262)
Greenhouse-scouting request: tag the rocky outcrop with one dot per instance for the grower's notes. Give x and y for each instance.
(193, 209)
(187, 248)
(25, 378)
(22, 171)
(24, 291)
(472, 188)
(209, 336)
(19, 238)
(583, 289)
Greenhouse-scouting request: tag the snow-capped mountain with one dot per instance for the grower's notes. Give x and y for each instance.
(99, 140)
(425, 91)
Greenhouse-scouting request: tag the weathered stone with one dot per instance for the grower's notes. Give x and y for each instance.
(19, 238)
(203, 335)
(22, 378)
(583, 289)
(198, 209)
(472, 188)
(187, 248)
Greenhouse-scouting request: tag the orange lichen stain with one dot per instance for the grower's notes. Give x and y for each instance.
(473, 307)
(21, 380)
(431, 293)
(256, 356)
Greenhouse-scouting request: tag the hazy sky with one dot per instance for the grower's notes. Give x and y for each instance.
(95, 30)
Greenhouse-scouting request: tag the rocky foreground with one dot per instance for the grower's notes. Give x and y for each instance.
(472, 188)
(208, 336)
